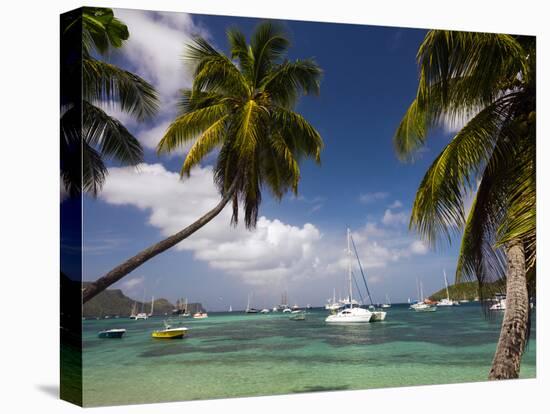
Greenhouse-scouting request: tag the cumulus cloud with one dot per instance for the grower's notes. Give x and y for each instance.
(132, 285)
(418, 247)
(369, 198)
(396, 204)
(394, 219)
(274, 251)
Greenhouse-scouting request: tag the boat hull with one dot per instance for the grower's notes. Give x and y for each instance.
(174, 333)
(378, 316)
(427, 309)
(347, 319)
(112, 333)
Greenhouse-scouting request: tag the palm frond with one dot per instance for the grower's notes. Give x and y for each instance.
(107, 83)
(285, 83)
(102, 30)
(211, 138)
(71, 151)
(479, 259)
(189, 125)
(110, 136)
(299, 135)
(520, 217)
(94, 170)
(214, 72)
(411, 133)
(288, 163)
(438, 208)
(248, 125)
(242, 52)
(485, 59)
(269, 44)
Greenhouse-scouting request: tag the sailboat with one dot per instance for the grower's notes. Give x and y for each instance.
(350, 314)
(133, 313)
(152, 306)
(185, 313)
(283, 306)
(332, 304)
(142, 314)
(230, 309)
(387, 304)
(445, 301)
(248, 308)
(421, 305)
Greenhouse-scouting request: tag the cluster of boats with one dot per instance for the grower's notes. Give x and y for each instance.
(283, 307)
(169, 332)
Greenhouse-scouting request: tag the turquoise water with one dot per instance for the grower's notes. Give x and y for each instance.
(237, 354)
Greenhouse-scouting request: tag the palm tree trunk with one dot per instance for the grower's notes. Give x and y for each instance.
(126, 267)
(514, 330)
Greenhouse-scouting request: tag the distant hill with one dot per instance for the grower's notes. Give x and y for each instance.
(467, 290)
(113, 302)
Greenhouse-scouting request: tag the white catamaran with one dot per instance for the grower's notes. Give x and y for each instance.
(350, 314)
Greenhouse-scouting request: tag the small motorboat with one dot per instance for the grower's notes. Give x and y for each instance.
(111, 333)
(264, 310)
(200, 315)
(298, 316)
(169, 332)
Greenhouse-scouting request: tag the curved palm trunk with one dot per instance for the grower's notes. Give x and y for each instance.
(514, 330)
(124, 268)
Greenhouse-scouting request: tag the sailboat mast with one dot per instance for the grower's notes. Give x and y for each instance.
(446, 284)
(349, 271)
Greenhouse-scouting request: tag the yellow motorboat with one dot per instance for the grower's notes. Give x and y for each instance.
(170, 333)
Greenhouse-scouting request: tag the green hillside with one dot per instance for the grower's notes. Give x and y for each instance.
(112, 302)
(467, 290)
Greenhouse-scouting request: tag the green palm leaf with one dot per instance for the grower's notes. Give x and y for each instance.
(108, 83)
(110, 136)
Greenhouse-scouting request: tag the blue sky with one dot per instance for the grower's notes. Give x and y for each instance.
(370, 77)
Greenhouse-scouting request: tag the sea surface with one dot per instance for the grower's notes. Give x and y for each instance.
(237, 354)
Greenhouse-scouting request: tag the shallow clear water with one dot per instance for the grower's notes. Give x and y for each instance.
(237, 354)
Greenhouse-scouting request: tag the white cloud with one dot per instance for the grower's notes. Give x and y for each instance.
(156, 46)
(418, 247)
(396, 204)
(394, 219)
(132, 285)
(273, 252)
(369, 198)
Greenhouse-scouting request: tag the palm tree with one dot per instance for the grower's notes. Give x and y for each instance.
(490, 80)
(88, 134)
(242, 105)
